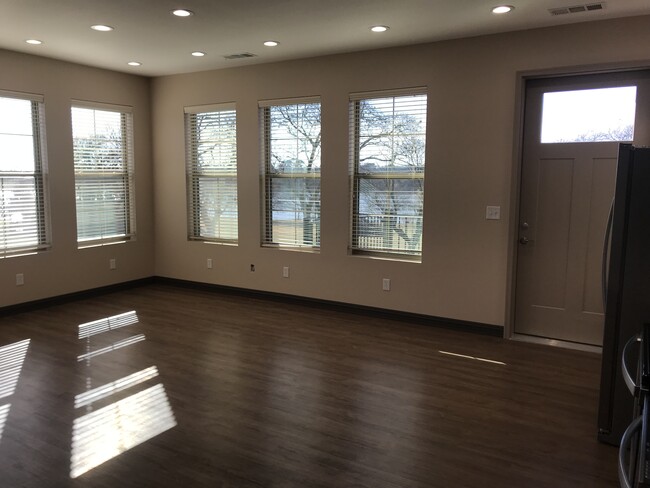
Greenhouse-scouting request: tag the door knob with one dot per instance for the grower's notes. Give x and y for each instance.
(523, 240)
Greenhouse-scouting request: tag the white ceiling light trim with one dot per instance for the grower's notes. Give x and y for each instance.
(34, 42)
(379, 28)
(101, 28)
(198, 54)
(271, 43)
(502, 9)
(134, 63)
(181, 12)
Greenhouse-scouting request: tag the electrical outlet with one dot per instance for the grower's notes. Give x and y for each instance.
(252, 268)
(112, 263)
(385, 284)
(20, 279)
(285, 272)
(209, 263)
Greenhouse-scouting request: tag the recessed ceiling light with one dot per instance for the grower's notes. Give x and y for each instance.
(198, 54)
(271, 43)
(502, 9)
(379, 28)
(101, 28)
(35, 42)
(134, 63)
(181, 12)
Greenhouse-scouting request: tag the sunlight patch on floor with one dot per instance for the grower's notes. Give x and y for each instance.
(116, 428)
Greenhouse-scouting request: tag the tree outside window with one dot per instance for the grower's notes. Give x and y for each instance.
(212, 174)
(388, 157)
(292, 164)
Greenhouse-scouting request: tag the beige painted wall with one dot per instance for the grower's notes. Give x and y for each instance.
(64, 268)
(471, 126)
(471, 131)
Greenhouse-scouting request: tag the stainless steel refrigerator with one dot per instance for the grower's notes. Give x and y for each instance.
(626, 276)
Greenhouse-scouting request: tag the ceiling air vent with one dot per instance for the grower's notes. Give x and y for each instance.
(240, 56)
(576, 9)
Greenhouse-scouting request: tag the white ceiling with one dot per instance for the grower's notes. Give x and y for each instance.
(145, 30)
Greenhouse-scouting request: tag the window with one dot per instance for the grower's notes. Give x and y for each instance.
(23, 221)
(292, 163)
(594, 115)
(212, 173)
(387, 136)
(103, 167)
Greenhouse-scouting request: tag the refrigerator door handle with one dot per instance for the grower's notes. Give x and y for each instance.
(605, 265)
(631, 385)
(625, 444)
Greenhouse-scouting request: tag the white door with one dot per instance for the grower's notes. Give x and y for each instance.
(572, 128)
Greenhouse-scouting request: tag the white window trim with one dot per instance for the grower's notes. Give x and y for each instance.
(192, 220)
(356, 177)
(266, 177)
(40, 175)
(127, 116)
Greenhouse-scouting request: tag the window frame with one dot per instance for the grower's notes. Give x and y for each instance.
(39, 175)
(194, 175)
(357, 177)
(127, 175)
(268, 176)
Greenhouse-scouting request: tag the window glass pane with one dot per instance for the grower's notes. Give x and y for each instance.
(22, 193)
(388, 154)
(294, 138)
(604, 114)
(101, 207)
(390, 214)
(19, 226)
(16, 117)
(17, 153)
(292, 174)
(218, 207)
(98, 140)
(212, 175)
(295, 211)
(215, 140)
(103, 165)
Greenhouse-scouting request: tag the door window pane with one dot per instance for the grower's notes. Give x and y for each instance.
(597, 115)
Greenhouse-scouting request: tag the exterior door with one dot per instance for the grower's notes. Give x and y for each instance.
(572, 128)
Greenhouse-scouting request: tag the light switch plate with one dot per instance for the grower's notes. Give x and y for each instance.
(493, 212)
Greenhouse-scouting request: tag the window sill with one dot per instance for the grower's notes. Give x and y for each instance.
(282, 247)
(402, 258)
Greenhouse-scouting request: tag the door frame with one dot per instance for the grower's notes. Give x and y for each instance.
(522, 77)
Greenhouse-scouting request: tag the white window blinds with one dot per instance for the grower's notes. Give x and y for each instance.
(291, 172)
(211, 147)
(23, 219)
(103, 166)
(387, 153)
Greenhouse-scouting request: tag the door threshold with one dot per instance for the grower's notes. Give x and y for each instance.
(557, 343)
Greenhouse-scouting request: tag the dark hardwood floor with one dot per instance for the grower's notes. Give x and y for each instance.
(191, 388)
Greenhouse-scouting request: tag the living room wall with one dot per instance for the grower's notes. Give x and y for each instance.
(472, 123)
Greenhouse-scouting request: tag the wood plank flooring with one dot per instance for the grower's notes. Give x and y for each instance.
(171, 387)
